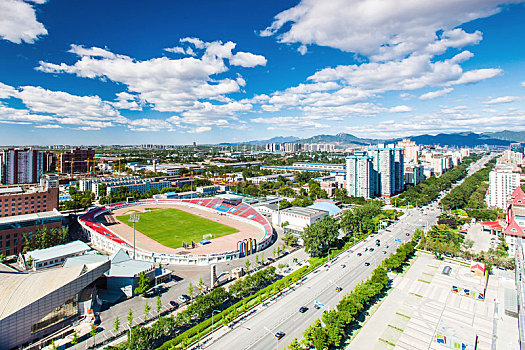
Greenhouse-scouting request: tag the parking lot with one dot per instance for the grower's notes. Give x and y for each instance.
(422, 312)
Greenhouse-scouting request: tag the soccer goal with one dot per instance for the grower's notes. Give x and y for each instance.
(207, 236)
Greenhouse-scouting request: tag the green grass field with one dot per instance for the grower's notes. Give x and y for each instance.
(170, 227)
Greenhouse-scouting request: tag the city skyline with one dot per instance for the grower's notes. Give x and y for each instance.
(174, 73)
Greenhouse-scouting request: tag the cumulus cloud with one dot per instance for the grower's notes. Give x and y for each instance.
(291, 123)
(382, 29)
(503, 99)
(400, 109)
(189, 85)
(200, 129)
(48, 126)
(435, 94)
(18, 22)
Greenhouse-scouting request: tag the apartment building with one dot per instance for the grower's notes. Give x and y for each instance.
(361, 178)
(20, 166)
(503, 180)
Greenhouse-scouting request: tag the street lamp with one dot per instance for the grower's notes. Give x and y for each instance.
(134, 218)
(213, 313)
(329, 249)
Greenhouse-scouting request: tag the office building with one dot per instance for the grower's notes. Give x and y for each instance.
(503, 180)
(78, 160)
(297, 218)
(20, 166)
(360, 176)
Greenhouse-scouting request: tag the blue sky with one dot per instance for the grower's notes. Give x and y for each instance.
(173, 72)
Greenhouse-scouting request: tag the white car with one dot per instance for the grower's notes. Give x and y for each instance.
(183, 298)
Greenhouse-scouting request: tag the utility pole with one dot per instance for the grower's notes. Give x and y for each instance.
(134, 218)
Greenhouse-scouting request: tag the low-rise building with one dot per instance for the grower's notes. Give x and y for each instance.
(297, 218)
(53, 256)
(208, 190)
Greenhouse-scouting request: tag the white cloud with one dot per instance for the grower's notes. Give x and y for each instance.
(382, 29)
(400, 109)
(18, 22)
(435, 94)
(246, 59)
(146, 124)
(523, 84)
(48, 126)
(503, 99)
(176, 49)
(200, 129)
(181, 85)
(290, 123)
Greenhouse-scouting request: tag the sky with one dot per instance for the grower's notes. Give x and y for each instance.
(177, 71)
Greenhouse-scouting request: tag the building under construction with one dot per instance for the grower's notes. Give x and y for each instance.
(78, 160)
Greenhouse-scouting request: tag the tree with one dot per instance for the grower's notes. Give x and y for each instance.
(74, 339)
(201, 284)
(190, 290)
(159, 304)
(247, 265)
(116, 325)
(294, 345)
(93, 332)
(256, 260)
(147, 309)
(144, 284)
(130, 318)
(321, 235)
(289, 239)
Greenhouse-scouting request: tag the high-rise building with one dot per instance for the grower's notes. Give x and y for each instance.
(78, 160)
(411, 150)
(20, 166)
(390, 175)
(50, 162)
(360, 176)
(502, 182)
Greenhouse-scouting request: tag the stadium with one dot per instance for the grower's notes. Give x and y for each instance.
(197, 231)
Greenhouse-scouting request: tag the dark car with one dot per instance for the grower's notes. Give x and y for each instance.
(359, 254)
(303, 309)
(367, 263)
(174, 304)
(279, 335)
(408, 234)
(371, 249)
(343, 266)
(384, 251)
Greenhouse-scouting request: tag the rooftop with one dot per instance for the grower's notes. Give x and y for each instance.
(70, 248)
(28, 217)
(308, 211)
(19, 290)
(331, 208)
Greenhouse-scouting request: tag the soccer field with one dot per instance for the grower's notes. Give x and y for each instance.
(170, 227)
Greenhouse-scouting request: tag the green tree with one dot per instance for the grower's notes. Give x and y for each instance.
(256, 260)
(321, 235)
(143, 284)
(130, 318)
(93, 332)
(147, 309)
(74, 339)
(116, 324)
(247, 265)
(294, 345)
(190, 289)
(159, 304)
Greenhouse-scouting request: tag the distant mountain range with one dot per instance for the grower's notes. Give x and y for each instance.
(470, 139)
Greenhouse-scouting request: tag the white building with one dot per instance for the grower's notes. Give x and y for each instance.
(389, 164)
(411, 150)
(360, 176)
(502, 182)
(297, 217)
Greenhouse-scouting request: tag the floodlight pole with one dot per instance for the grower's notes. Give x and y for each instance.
(134, 218)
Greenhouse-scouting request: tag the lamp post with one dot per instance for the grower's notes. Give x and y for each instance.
(213, 313)
(134, 218)
(329, 249)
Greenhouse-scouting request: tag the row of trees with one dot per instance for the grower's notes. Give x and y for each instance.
(79, 199)
(201, 308)
(428, 190)
(471, 193)
(328, 331)
(45, 237)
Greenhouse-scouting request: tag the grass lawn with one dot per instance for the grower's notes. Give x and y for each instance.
(170, 227)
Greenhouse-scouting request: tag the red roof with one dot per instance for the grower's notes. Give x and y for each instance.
(513, 229)
(518, 197)
(494, 225)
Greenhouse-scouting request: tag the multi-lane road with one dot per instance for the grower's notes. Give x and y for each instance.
(282, 314)
(257, 331)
